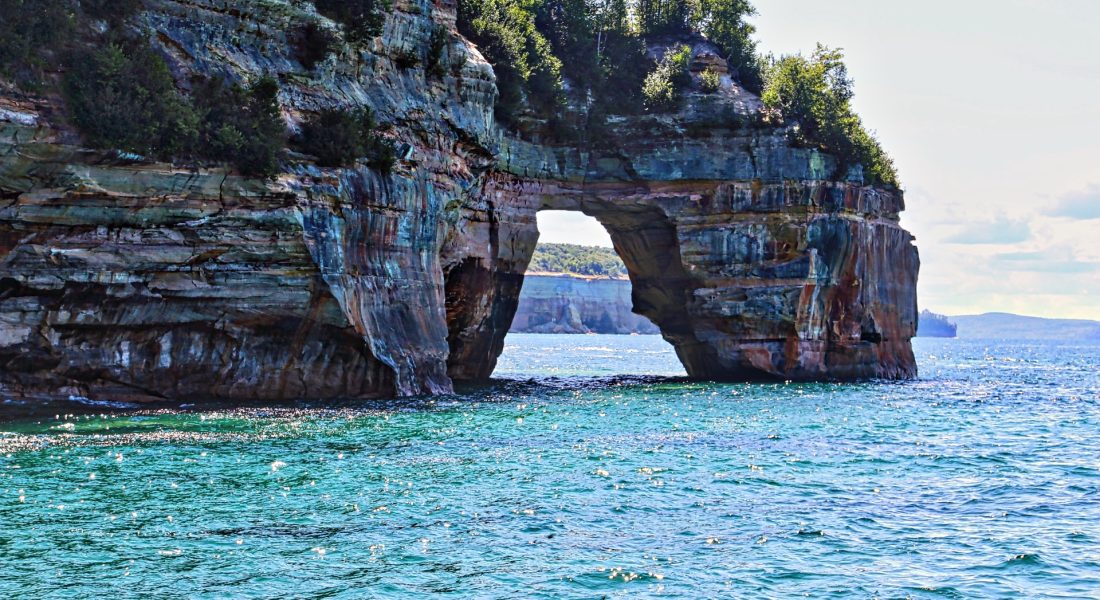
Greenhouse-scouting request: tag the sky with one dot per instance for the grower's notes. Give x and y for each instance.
(991, 111)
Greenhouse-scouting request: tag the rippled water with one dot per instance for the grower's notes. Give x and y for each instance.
(980, 480)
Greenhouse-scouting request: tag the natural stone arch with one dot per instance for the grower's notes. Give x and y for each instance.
(747, 280)
(129, 279)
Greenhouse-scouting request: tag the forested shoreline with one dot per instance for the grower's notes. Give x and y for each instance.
(574, 259)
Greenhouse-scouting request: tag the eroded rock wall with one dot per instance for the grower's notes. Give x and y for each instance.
(563, 303)
(122, 278)
(125, 278)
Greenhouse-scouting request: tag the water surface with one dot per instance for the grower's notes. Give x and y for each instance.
(590, 470)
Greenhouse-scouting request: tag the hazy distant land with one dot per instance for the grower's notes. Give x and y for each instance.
(1009, 326)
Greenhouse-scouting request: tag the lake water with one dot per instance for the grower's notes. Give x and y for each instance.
(591, 472)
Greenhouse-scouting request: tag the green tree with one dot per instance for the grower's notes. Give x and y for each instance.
(338, 138)
(241, 126)
(361, 19)
(664, 85)
(122, 96)
(570, 27)
(657, 17)
(723, 22)
(29, 32)
(527, 71)
(622, 58)
(816, 91)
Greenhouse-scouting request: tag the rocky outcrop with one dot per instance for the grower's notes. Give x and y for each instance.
(564, 303)
(126, 279)
(930, 324)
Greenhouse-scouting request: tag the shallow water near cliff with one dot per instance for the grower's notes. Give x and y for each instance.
(588, 470)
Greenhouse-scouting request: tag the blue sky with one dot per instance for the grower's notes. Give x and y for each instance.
(991, 110)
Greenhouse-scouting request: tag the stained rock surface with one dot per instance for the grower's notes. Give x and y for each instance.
(565, 303)
(125, 279)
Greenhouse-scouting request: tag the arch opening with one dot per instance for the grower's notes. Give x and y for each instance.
(742, 286)
(483, 293)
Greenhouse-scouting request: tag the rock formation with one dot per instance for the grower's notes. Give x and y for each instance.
(564, 303)
(930, 324)
(127, 279)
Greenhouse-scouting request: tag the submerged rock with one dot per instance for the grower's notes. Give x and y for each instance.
(125, 279)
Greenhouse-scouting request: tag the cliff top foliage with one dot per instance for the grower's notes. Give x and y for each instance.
(816, 91)
(120, 93)
(551, 58)
(549, 55)
(339, 137)
(578, 260)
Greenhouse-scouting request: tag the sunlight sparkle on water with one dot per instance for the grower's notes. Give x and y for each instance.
(975, 481)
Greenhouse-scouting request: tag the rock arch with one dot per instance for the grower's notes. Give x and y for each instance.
(122, 278)
(747, 280)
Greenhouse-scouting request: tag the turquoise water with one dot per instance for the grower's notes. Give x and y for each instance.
(980, 480)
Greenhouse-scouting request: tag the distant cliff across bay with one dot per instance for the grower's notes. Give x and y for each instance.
(570, 288)
(570, 303)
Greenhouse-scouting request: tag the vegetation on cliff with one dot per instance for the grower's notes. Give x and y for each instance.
(361, 19)
(526, 68)
(816, 91)
(663, 85)
(337, 138)
(121, 96)
(578, 260)
(550, 54)
(568, 63)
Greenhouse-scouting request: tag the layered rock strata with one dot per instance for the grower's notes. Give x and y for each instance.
(564, 303)
(127, 279)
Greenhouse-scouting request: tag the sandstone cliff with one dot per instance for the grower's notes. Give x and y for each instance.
(127, 279)
(563, 303)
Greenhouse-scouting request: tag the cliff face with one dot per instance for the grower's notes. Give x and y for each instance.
(562, 303)
(126, 279)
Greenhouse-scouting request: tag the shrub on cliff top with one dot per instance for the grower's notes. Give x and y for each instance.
(29, 32)
(338, 138)
(525, 66)
(122, 96)
(437, 45)
(710, 80)
(34, 34)
(362, 19)
(816, 91)
(312, 42)
(723, 22)
(663, 86)
(241, 126)
(112, 11)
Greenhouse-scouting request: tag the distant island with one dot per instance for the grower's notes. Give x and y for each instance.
(935, 325)
(1018, 327)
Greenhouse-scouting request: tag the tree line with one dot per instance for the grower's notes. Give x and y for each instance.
(578, 260)
(549, 55)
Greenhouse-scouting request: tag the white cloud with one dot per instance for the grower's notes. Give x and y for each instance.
(1082, 205)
